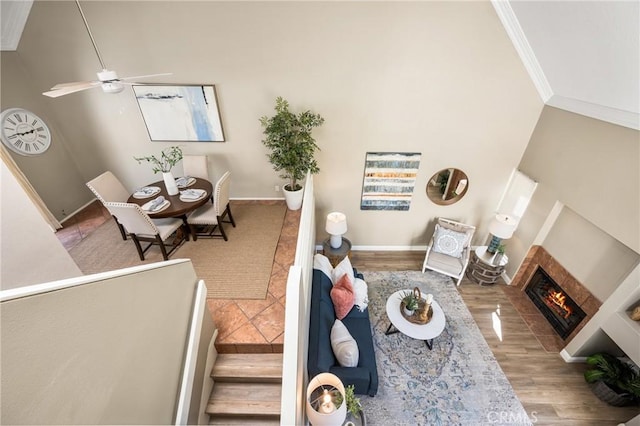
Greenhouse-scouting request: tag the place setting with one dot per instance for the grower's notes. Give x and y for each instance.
(185, 181)
(190, 195)
(146, 192)
(157, 205)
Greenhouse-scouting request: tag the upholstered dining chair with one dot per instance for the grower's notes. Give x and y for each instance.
(449, 249)
(196, 166)
(154, 231)
(206, 219)
(108, 188)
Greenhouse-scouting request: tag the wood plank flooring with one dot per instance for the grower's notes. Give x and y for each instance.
(551, 391)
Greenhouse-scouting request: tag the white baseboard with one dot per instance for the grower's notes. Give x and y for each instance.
(571, 359)
(69, 216)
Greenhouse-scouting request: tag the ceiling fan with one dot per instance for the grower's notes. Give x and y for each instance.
(108, 80)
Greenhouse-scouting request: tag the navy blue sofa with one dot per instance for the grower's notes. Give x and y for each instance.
(364, 377)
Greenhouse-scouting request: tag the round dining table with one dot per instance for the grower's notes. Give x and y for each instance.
(177, 208)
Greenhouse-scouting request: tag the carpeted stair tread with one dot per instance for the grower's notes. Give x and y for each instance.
(245, 399)
(257, 368)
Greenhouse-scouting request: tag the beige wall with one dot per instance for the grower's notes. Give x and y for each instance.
(31, 253)
(591, 167)
(440, 78)
(107, 351)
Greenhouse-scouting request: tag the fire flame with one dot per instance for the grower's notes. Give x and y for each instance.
(558, 298)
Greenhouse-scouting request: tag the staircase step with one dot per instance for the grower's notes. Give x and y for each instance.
(245, 421)
(252, 400)
(255, 368)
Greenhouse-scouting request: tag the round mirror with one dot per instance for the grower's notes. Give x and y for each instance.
(447, 186)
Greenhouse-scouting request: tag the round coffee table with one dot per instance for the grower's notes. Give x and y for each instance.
(426, 332)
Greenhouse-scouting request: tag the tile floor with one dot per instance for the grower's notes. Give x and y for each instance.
(243, 325)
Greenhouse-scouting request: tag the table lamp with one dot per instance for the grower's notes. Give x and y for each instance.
(501, 227)
(322, 400)
(336, 226)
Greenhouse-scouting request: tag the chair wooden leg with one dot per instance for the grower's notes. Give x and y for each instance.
(121, 228)
(224, 234)
(228, 210)
(163, 249)
(138, 246)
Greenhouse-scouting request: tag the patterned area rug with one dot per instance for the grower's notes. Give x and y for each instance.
(459, 382)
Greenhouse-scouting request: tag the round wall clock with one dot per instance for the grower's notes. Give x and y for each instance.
(24, 132)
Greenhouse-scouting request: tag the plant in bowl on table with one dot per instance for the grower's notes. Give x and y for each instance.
(410, 302)
(169, 157)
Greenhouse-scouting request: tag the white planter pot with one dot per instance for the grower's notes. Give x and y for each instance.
(170, 183)
(293, 198)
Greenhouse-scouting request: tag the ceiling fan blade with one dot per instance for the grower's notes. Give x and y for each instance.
(146, 76)
(75, 83)
(71, 89)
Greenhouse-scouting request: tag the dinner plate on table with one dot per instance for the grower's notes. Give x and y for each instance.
(146, 192)
(181, 183)
(158, 209)
(190, 195)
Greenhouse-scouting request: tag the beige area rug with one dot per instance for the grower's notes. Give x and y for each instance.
(236, 269)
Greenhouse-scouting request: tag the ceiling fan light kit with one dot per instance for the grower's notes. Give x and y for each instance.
(107, 79)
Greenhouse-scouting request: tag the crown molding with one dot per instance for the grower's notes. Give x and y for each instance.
(612, 115)
(520, 42)
(14, 16)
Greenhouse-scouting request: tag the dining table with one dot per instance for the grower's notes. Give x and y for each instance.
(179, 206)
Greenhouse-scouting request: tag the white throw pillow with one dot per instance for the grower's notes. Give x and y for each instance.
(344, 345)
(321, 262)
(449, 242)
(360, 291)
(344, 267)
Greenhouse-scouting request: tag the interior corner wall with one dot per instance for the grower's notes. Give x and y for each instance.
(54, 173)
(593, 168)
(31, 253)
(441, 78)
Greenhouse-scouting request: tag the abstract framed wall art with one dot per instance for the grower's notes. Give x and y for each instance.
(184, 113)
(389, 180)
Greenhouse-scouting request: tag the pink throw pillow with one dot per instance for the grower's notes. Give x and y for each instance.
(343, 296)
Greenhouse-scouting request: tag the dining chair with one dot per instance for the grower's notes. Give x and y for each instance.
(449, 248)
(141, 227)
(108, 188)
(209, 217)
(196, 166)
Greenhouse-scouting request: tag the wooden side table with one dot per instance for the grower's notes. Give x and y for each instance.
(482, 267)
(336, 255)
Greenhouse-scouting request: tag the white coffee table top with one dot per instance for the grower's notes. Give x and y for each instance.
(427, 331)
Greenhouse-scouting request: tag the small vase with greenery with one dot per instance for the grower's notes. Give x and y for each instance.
(169, 157)
(353, 404)
(291, 145)
(621, 379)
(410, 302)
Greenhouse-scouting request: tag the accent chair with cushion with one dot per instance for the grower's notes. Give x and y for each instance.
(155, 231)
(108, 189)
(449, 249)
(206, 219)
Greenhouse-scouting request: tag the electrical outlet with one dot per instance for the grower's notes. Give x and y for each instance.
(277, 188)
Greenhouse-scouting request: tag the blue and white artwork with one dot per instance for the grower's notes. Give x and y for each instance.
(389, 180)
(180, 113)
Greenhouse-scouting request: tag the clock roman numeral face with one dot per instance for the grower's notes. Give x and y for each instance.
(24, 132)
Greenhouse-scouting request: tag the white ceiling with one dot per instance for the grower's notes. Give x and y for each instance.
(583, 56)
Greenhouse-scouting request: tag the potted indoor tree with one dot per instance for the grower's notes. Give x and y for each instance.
(612, 380)
(292, 147)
